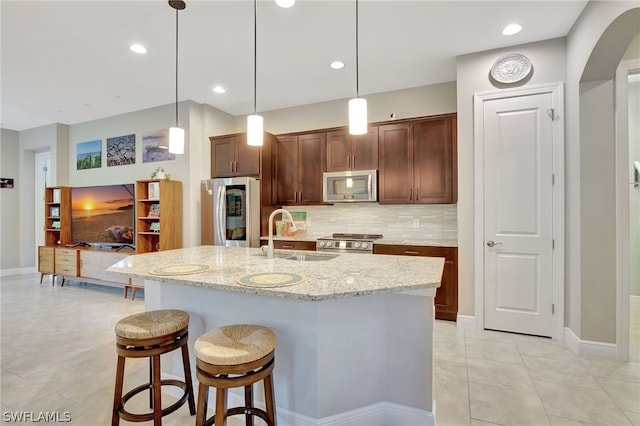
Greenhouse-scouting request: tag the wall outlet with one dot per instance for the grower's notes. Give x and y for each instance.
(416, 223)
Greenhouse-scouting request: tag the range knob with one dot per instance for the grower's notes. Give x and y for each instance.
(356, 245)
(365, 245)
(321, 243)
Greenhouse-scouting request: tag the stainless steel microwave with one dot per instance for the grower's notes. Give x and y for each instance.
(350, 186)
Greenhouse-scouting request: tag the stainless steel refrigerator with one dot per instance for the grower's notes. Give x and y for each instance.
(230, 210)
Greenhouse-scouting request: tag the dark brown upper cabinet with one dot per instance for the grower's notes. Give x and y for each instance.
(352, 152)
(231, 156)
(417, 161)
(298, 164)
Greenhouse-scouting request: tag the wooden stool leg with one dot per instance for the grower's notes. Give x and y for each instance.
(221, 407)
(150, 382)
(117, 394)
(248, 402)
(187, 379)
(133, 292)
(126, 291)
(41, 275)
(269, 400)
(157, 389)
(203, 397)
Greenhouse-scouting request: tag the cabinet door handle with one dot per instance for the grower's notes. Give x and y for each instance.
(412, 252)
(410, 194)
(235, 163)
(231, 166)
(287, 246)
(348, 161)
(417, 194)
(300, 197)
(353, 162)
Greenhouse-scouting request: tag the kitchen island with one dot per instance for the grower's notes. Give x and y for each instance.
(355, 331)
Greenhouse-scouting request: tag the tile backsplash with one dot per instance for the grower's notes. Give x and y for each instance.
(425, 221)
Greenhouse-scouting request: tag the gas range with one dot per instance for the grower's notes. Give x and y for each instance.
(348, 243)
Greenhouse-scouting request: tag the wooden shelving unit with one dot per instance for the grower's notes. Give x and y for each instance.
(159, 215)
(57, 216)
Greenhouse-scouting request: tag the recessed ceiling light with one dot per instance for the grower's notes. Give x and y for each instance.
(285, 4)
(511, 29)
(138, 48)
(219, 89)
(337, 65)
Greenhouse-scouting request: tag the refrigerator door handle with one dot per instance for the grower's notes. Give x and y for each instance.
(220, 216)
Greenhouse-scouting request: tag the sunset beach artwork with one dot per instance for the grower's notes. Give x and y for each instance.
(103, 214)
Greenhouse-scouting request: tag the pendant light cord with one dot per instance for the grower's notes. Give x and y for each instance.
(177, 11)
(357, 68)
(255, 55)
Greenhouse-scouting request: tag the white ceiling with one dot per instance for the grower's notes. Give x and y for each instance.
(69, 62)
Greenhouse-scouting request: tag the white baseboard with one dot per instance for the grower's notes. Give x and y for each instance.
(589, 347)
(466, 322)
(379, 414)
(18, 271)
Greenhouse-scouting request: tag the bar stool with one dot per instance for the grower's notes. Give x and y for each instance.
(235, 356)
(150, 334)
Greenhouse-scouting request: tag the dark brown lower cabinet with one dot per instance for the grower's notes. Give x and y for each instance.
(294, 245)
(446, 301)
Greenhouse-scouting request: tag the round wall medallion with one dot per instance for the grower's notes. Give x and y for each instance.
(511, 68)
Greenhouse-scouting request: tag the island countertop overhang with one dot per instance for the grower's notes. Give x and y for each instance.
(347, 275)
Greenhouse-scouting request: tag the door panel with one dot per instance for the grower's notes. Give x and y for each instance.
(395, 180)
(433, 149)
(518, 167)
(338, 151)
(247, 158)
(312, 151)
(365, 150)
(523, 269)
(285, 158)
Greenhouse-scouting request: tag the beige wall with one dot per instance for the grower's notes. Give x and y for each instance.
(414, 102)
(9, 201)
(597, 218)
(594, 49)
(548, 59)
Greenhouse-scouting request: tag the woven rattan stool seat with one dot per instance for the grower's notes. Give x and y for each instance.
(235, 356)
(152, 324)
(149, 335)
(235, 344)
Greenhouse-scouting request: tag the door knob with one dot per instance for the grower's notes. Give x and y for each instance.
(491, 243)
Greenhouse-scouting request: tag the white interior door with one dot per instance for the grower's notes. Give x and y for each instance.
(42, 180)
(518, 214)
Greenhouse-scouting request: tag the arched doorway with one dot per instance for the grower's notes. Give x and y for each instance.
(604, 211)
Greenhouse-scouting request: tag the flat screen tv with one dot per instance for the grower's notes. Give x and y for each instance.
(103, 215)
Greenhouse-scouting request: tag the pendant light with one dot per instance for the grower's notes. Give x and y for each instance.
(176, 134)
(254, 121)
(357, 105)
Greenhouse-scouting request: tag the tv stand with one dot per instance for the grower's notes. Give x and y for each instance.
(78, 244)
(85, 264)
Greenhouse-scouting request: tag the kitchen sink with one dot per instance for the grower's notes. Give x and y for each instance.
(303, 257)
(306, 257)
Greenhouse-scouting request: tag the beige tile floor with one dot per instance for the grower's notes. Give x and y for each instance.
(57, 355)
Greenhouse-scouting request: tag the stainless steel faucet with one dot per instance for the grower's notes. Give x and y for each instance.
(285, 215)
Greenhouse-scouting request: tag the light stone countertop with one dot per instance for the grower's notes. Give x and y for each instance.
(417, 242)
(346, 275)
(428, 242)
